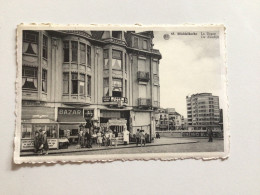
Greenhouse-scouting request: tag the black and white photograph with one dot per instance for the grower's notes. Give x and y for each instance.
(121, 93)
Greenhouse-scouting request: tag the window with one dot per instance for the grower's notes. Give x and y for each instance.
(74, 83)
(74, 51)
(89, 85)
(125, 62)
(82, 84)
(135, 42)
(82, 53)
(66, 51)
(141, 65)
(45, 47)
(30, 78)
(155, 93)
(27, 131)
(116, 60)
(89, 55)
(142, 91)
(65, 83)
(30, 42)
(44, 81)
(117, 34)
(145, 45)
(106, 87)
(106, 60)
(155, 67)
(117, 88)
(125, 88)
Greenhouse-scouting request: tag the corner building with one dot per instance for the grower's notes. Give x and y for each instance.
(75, 77)
(203, 111)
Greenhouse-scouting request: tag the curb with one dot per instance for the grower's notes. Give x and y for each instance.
(101, 149)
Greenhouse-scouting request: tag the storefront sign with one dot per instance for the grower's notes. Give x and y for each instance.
(115, 99)
(29, 144)
(70, 111)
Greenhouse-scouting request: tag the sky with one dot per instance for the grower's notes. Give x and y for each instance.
(189, 64)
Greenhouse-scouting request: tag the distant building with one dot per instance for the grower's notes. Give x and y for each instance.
(168, 119)
(203, 111)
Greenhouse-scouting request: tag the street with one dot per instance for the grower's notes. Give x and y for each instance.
(173, 145)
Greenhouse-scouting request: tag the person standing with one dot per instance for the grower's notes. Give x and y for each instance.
(37, 142)
(210, 135)
(137, 137)
(45, 142)
(116, 138)
(110, 137)
(142, 137)
(126, 135)
(99, 138)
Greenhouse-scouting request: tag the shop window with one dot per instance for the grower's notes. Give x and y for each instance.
(45, 47)
(27, 131)
(74, 51)
(116, 60)
(89, 55)
(30, 42)
(65, 83)
(30, 78)
(74, 83)
(89, 85)
(117, 34)
(82, 84)
(106, 59)
(145, 44)
(117, 88)
(135, 45)
(106, 87)
(82, 53)
(44, 81)
(66, 51)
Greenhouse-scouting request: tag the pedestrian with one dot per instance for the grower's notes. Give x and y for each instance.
(89, 138)
(45, 142)
(80, 138)
(110, 137)
(142, 137)
(126, 135)
(137, 137)
(107, 138)
(37, 142)
(210, 135)
(99, 139)
(116, 138)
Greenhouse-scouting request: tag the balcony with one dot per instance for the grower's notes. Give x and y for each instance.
(115, 101)
(144, 102)
(143, 76)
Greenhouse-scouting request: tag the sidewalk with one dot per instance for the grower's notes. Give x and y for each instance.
(157, 142)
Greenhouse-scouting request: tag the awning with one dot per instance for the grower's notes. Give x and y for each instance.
(68, 126)
(71, 119)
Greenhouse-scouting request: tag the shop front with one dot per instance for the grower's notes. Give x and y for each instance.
(37, 123)
(70, 120)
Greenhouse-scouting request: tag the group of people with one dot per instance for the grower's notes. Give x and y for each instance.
(41, 142)
(100, 137)
(140, 137)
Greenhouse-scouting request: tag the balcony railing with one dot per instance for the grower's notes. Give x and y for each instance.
(144, 102)
(143, 76)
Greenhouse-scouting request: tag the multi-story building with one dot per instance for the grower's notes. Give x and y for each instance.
(93, 77)
(203, 111)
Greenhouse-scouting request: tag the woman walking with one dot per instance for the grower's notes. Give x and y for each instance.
(45, 142)
(99, 139)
